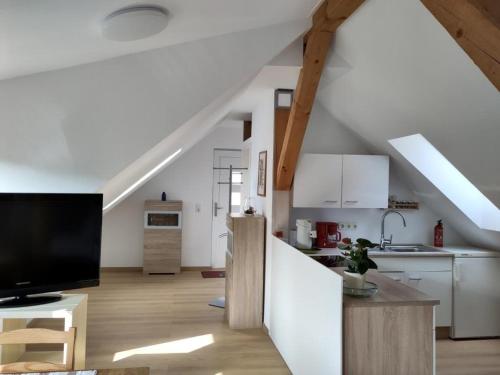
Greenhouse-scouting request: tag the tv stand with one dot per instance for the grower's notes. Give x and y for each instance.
(72, 308)
(23, 301)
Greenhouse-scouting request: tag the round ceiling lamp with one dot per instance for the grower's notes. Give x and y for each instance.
(133, 23)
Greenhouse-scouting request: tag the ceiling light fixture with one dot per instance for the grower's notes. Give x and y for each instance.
(133, 23)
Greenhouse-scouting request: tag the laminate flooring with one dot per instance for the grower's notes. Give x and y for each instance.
(164, 322)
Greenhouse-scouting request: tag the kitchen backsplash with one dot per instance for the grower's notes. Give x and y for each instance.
(365, 223)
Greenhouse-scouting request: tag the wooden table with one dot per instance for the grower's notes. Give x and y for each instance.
(72, 308)
(391, 333)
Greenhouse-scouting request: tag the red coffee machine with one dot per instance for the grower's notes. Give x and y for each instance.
(327, 234)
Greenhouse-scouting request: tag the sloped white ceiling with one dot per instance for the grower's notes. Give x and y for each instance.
(407, 76)
(74, 129)
(46, 35)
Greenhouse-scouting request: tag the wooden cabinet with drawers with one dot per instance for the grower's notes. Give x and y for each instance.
(245, 271)
(162, 237)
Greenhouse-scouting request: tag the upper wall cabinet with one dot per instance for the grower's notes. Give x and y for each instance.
(318, 181)
(347, 181)
(365, 181)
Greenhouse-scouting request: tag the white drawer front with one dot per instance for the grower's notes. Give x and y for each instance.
(413, 263)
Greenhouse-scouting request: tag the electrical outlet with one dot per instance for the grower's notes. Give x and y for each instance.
(347, 226)
(197, 208)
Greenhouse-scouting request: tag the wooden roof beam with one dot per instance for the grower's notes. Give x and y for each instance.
(327, 18)
(475, 26)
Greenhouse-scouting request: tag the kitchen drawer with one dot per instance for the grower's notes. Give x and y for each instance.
(388, 264)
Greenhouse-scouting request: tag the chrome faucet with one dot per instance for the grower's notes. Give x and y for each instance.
(387, 241)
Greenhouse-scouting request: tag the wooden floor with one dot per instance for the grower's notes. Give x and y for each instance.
(468, 357)
(130, 311)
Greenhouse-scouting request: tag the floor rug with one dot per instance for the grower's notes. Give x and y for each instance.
(213, 274)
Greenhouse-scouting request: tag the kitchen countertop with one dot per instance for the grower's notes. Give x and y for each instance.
(390, 293)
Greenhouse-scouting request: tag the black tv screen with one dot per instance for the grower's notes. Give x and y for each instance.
(49, 242)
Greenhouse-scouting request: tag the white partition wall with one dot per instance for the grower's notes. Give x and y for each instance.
(306, 314)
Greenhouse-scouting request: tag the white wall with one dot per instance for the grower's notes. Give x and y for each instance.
(71, 130)
(326, 135)
(263, 140)
(306, 318)
(291, 308)
(407, 75)
(189, 179)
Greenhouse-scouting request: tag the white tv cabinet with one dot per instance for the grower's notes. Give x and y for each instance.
(72, 308)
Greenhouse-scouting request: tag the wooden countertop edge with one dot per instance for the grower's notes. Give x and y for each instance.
(390, 293)
(361, 302)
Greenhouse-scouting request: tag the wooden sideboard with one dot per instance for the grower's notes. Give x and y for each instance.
(162, 245)
(245, 271)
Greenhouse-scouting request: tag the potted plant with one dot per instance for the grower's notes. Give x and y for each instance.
(358, 262)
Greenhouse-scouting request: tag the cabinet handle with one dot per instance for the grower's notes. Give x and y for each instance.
(330, 201)
(350, 202)
(415, 278)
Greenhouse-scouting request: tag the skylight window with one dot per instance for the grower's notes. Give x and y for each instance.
(449, 180)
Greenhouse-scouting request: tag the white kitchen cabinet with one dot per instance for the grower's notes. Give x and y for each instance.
(365, 181)
(318, 181)
(431, 275)
(347, 181)
(437, 284)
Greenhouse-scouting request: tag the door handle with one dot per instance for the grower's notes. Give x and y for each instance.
(217, 208)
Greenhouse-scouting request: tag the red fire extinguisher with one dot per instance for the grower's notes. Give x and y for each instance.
(438, 234)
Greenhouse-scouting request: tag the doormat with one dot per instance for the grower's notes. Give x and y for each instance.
(213, 274)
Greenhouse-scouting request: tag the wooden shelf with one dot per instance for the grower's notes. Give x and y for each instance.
(403, 205)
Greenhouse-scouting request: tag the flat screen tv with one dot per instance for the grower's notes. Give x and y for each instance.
(48, 243)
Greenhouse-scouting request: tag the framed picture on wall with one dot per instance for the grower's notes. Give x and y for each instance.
(261, 178)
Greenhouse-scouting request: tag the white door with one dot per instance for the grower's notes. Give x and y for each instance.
(476, 300)
(223, 159)
(365, 181)
(318, 181)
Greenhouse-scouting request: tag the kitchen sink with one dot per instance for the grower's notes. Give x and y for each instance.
(408, 249)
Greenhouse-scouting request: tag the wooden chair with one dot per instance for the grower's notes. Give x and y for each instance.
(39, 336)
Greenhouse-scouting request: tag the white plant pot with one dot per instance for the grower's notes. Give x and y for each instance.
(354, 280)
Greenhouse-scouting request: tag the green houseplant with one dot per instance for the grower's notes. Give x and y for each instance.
(357, 259)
